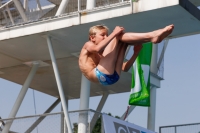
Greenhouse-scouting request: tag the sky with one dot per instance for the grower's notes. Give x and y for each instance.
(177, 98)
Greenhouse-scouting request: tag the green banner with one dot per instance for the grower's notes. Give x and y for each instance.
(140, 87)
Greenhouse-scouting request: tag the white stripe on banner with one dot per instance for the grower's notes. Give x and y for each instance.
(146, 70)
(137, 87)
(114, 125)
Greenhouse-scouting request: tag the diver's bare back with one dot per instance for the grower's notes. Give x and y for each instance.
(87, 62)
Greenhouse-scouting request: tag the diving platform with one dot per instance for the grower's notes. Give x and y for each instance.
(25, 39)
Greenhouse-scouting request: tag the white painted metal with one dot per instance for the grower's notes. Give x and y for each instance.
(152, 108)
(99, 108)
(131, 1)
(62, 7)
(103, 13)
(32, 127)
(62, 119)
(154, 58)
(6, 19)
(162, 53)
(84, 104)
(4, 14)
(26, 5)
(90, 4)
(85, 88)
(79, 13)
(59, 84)
(21, 96)
(63, 125)
(155, 80)
(20, 9)
(126, 114)
(7, 3)
(146, 5)
(79, 5)
(154, 69)
(39, 5)
(9, 14)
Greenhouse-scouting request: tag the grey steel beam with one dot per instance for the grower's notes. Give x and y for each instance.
(21, 96)
(20, 9)
(62, 7)
(59, 84)
(63, 126)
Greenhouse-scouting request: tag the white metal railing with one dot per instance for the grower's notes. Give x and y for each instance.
(182, 128)
(31, 10)
(4, 8)
(4, 5)
(51, 122)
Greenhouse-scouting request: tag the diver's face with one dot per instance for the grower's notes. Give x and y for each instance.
(100, 35)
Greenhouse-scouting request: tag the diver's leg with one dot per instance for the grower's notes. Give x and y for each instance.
(154, 36)
(108, 61)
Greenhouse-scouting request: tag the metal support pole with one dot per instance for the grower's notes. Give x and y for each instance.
(20, 9)
(131, 2)
(65, 127)
(127, 113)
(152, 108)
(79, 13)
(9, 14)
(26, 5)
(39, 5)
(4, 14)
(99, 108)
(21, 96)
(59, 84)
(84, 104)
(90, 4)
(62, 7)
(63, 123)
(62, 119)
(42, 117)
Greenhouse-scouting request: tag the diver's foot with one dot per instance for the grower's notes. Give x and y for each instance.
(160, 34)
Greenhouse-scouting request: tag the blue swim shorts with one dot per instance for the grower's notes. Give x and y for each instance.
(105, 79)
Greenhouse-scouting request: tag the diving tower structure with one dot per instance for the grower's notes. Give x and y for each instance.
(40, 46)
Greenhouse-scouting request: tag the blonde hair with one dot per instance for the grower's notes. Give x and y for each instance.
(94, 29)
